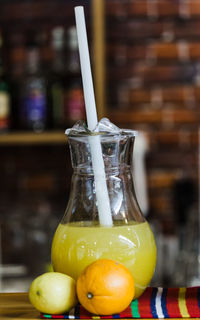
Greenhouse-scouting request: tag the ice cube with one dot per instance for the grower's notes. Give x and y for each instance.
(79, 127)
(105, 125)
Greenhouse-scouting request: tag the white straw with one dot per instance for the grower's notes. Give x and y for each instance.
(102, 196)
(88, 87)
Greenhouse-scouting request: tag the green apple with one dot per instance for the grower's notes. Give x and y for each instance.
(53, 292)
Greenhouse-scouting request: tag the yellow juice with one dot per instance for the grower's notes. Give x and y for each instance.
(76, 245)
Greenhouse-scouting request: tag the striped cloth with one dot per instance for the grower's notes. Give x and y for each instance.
(154, 303)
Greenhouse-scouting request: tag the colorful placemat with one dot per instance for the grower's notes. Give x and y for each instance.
(154, 303)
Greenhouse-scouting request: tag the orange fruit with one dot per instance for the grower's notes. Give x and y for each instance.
(105, 287)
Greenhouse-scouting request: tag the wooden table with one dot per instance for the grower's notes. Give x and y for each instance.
(16, 306)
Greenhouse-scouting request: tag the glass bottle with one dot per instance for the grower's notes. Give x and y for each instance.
(57, 77)
(74, 107)
(79, 238)
(33, 104)
(5, 101)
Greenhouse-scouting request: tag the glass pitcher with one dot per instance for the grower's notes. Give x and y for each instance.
(80, 239)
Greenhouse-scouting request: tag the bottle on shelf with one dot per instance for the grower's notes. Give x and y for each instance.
(74, 108)
(16, 53)
(33, 100)
(5, 97)
(56, 90)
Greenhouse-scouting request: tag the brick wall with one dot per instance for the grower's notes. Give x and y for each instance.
(153, 85)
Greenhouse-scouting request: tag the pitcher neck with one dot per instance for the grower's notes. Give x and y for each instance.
(117, 152)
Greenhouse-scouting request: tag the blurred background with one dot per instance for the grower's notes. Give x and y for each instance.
(146, 64)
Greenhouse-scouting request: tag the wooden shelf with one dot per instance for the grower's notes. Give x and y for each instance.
(58, 137)
(26, 138)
